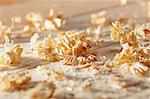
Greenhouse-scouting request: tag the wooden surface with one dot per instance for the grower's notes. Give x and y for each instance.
(69, 7)
(103, 85)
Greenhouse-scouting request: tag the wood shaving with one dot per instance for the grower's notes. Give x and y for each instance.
(118, 35)
(4, 31)
(130, 56)
(52, 22)
(143, 31)
(131, 53)
(98, 18)
(15, 20)
(15, 82)
(44, 90)
(11, 56)
(91, 58)
(70, 60)
(49, 74)
(96, 35)
(138, 69)
(80, 60)
(70, 43)
(44, 48)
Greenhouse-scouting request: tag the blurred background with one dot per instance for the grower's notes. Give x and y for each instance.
(9, 8)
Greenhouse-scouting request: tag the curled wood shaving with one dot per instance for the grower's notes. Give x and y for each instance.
(130, 58)
(132, 54)
(4, 31)
(70, 60)
(138, 69)
(80, 60)
(35, 20)
(15, 82)
(11, 56)
(44, 48)
(57, 21)
(119, 35)
(70, 43)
